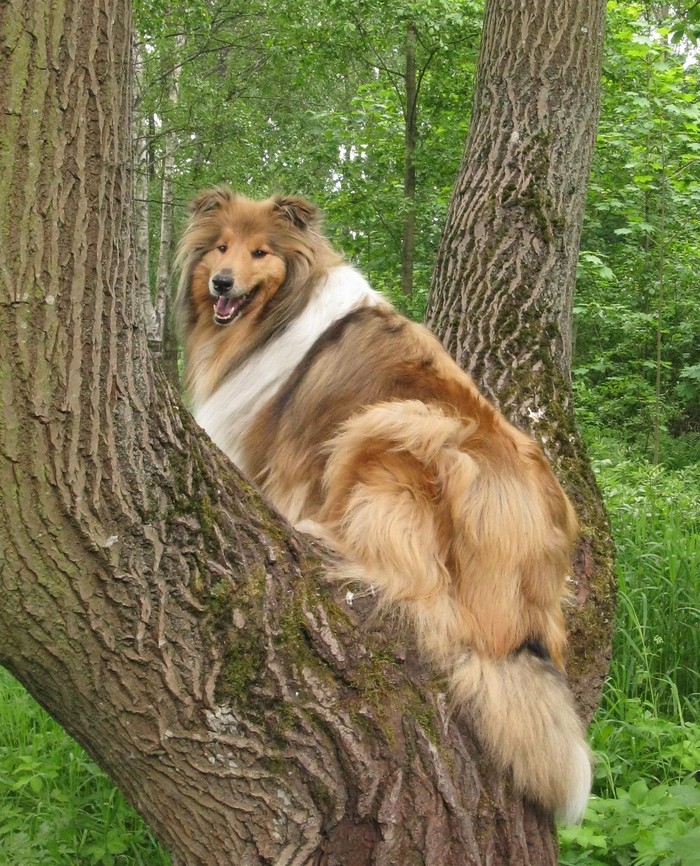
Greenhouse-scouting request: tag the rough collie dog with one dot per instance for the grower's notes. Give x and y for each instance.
(361, 429)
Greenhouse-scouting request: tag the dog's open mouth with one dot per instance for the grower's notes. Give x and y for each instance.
(228, 309)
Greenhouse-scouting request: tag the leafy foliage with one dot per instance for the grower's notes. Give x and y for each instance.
(637, 313)
(647, 733)
(642, 826)
(311, 98)
(656, 523)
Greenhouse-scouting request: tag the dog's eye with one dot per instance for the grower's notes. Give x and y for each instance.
(259, 254)
(222, 248)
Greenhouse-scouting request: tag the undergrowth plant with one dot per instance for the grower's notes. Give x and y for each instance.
(655, 515)
(646, 735)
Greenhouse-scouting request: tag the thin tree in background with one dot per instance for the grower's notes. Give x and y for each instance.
(162, 331)
(409, 173)
(142, 168)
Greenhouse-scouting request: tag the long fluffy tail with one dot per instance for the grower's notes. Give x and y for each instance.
(464, 530)
(526, 720)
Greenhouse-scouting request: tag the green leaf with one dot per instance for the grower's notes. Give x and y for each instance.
(638, 792)
(686, 795)
(626, 836)
(688, 847)
(116, 842)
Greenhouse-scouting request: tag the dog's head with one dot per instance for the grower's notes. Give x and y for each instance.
(236, 254)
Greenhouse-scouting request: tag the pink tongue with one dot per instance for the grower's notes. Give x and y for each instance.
(224, 307)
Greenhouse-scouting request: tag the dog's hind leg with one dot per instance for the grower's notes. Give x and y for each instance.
(386, 523)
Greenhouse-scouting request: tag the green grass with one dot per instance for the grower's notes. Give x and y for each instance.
(57, 808)
(646, 734)
(655, 514)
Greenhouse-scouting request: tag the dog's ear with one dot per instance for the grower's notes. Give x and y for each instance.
(211, 199)
(298, 211)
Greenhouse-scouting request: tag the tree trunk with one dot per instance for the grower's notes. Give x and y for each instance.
(409, 177)
(502, 289)
(150, 600)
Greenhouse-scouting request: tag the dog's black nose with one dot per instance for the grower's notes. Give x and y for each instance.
(222, 282)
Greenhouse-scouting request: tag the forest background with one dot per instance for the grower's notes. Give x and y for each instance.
(365, 108)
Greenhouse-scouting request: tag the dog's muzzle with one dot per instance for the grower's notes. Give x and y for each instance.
(227, 306)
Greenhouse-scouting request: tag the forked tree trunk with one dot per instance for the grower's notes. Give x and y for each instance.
(149, 599)
(502, 289)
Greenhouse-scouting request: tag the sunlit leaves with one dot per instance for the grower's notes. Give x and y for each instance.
(311, 98)
(643, 221)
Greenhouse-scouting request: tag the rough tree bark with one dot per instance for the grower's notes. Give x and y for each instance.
(502, 289)
(149, 599)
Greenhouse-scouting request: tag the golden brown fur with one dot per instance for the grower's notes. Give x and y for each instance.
(376, 441)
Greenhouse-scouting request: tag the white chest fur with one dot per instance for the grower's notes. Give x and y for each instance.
(228, 412)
